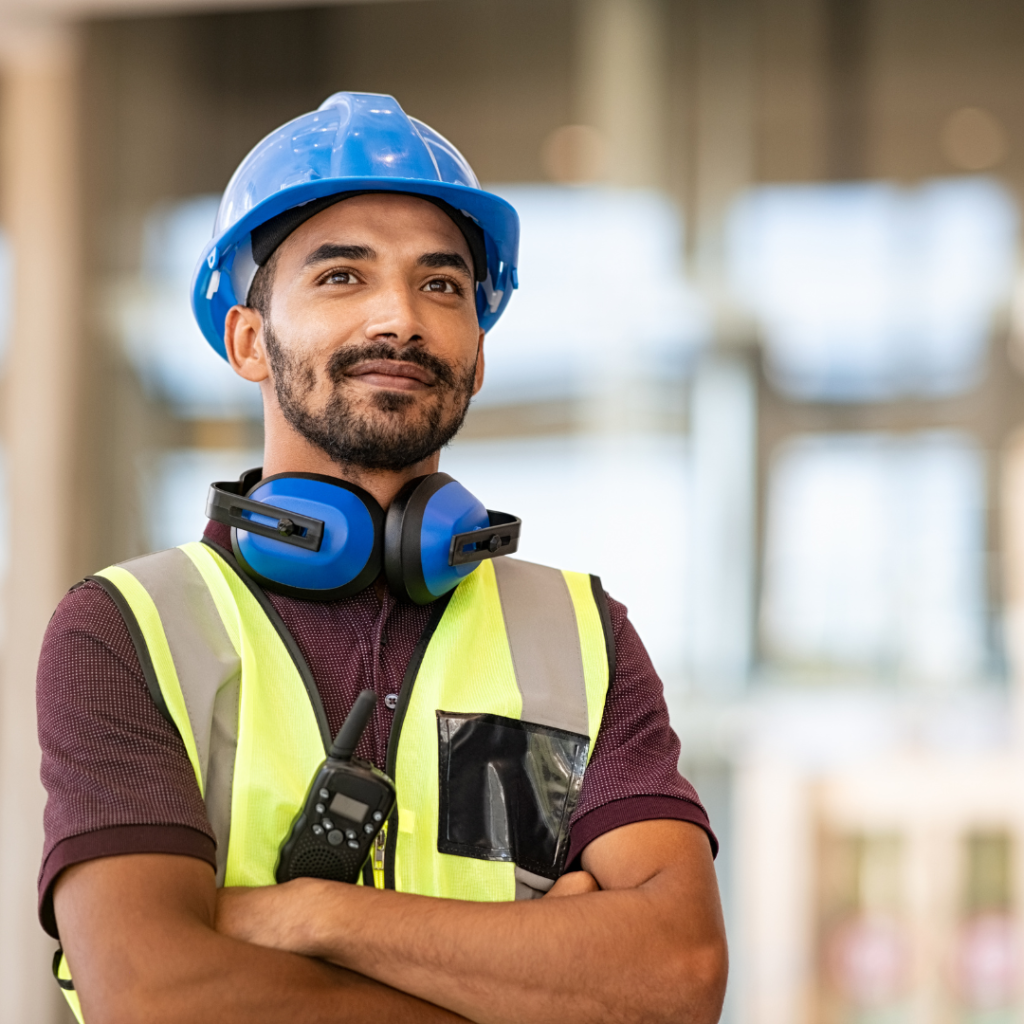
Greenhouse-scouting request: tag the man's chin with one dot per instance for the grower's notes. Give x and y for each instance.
(387, 401)
(385, 430)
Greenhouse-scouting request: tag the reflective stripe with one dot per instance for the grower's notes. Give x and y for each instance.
(151, 627)
(540, 622)
(562, 684)
(209, 674)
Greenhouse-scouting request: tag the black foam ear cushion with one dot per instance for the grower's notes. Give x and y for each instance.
(403, 533)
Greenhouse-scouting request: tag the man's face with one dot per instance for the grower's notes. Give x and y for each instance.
(371, 334)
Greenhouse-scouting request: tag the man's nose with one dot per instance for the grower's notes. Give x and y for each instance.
(393, 315)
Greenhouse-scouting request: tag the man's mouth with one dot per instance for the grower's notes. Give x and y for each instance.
(393, 374)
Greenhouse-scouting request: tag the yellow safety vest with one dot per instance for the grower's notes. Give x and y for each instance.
(517, 648)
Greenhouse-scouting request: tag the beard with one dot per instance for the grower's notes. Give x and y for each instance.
(398, 435)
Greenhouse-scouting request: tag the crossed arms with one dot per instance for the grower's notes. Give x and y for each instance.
(638, 937)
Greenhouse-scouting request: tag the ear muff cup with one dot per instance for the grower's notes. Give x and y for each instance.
(418, 531)
(350, 555)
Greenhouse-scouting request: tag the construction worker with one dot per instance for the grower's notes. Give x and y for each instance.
(186, 698)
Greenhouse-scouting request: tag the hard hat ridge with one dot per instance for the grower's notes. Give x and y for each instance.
(354, 142)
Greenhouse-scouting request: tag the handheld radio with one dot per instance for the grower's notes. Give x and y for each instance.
(346, 806)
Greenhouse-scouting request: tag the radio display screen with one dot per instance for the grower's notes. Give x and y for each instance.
(346, 807)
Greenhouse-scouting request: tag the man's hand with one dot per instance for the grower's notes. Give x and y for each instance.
(138, 934)
(274, 915)
(573, 883)
(639, 937)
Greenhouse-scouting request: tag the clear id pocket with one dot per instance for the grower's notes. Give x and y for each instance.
(508, 789)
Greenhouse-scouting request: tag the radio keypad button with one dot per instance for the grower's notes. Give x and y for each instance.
(334, 838)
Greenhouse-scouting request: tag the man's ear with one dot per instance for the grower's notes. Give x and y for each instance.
(243, 343)
(478, 378)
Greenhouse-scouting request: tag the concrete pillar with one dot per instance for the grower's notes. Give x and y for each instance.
(723, 446)
(723, 410)
(620, 91)
(724, 143)
(621, 87)
(38, 185)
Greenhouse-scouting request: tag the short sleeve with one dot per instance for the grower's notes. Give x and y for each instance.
(633, 773)
(116, 774)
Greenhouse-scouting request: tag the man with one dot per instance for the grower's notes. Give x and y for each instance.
(356, 289)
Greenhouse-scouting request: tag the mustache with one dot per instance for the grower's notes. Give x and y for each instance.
(444, 373)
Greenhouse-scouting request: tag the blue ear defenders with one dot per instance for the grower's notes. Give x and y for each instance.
(320, 538)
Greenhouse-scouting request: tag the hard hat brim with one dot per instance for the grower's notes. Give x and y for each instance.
(212, 291)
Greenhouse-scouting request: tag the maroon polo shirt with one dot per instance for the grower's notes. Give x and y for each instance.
(118, 779)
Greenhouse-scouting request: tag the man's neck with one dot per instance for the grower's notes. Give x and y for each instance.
(294, 454)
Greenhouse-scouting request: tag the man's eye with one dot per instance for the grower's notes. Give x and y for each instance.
(442, 285)
(341, 277)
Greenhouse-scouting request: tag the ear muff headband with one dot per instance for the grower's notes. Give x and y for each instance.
(283, 552)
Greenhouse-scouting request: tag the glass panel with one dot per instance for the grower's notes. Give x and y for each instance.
(875, 556)
(603, 293)
(869, 291)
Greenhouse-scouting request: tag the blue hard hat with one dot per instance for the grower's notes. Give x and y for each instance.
(355, 141)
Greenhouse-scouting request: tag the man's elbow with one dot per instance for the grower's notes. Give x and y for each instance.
(129, 1004)
(694, 988)
(709, 972)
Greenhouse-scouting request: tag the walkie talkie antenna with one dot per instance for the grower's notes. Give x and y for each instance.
(352, 728)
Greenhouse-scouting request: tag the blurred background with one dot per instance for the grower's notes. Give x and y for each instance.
(764, 374)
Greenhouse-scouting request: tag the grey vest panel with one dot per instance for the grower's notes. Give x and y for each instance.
(540, 621)
(209, 673)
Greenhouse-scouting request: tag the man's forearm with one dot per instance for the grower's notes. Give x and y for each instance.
(253, 986)
(559, 961)
(138, 933)
(250, 985)
(646, 952)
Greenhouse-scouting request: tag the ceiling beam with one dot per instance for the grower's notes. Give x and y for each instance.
(18, 13)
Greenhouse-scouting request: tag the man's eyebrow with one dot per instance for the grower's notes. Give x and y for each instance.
(334, 251)
(444, 259)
